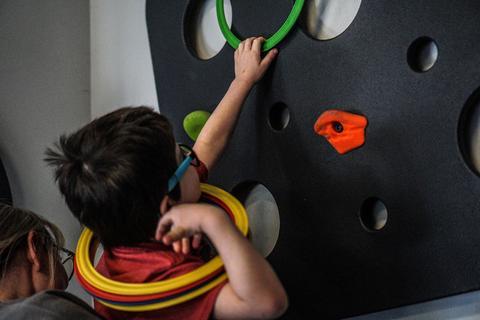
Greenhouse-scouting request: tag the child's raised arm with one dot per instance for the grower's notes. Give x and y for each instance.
(253, 291)
(249, 68)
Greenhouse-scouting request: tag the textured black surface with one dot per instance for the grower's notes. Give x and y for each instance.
(329, 264)
(5, 193)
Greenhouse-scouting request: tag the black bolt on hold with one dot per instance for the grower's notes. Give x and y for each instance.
(337, 126)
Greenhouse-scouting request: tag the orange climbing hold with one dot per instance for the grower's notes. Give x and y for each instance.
(344, 130)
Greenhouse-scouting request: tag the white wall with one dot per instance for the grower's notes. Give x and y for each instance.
(44, 91)
(122, 75)
(121, 67)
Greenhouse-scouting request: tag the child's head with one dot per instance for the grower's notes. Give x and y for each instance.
(113, 174)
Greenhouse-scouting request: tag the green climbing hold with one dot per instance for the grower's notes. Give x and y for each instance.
(194, 122)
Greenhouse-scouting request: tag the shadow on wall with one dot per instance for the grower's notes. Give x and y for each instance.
(5, 192)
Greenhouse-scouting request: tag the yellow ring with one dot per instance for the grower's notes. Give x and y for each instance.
(88, 272)
(169, 303)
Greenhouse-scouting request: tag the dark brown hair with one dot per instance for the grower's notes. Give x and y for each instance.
(15, 224)
(113, 173)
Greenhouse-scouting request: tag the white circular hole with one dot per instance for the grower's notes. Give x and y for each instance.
(373, 214)
(327, 19)
(203, 33)
(263, 215)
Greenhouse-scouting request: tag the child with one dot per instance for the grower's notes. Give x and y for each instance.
(114, 174)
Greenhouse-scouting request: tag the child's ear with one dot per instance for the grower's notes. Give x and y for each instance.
(165, 204)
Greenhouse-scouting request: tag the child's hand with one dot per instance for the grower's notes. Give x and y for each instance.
(249, 65)
(181, 222)
(183, 245)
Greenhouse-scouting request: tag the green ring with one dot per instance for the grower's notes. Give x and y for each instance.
(270, 42)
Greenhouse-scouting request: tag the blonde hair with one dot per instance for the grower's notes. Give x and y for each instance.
(15, 224)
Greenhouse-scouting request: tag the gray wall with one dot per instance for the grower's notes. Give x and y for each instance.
(44, 91)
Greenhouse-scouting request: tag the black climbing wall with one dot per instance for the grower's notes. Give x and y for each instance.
(330, 265)
(5, 193)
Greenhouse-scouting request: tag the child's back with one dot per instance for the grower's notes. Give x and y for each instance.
(149, 262)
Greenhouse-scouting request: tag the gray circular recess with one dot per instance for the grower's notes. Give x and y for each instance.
(327, 19)
(263, 215)
(202, 33)
(279, 116)
(373, 214)
(469, 132)
(422, 54)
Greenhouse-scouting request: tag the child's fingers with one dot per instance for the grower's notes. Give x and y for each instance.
(177, 233)
(248, 43)
(162, 227)
(173, 236)
(197, 240)
(177, 247)
(186, 245)
(257, 44)
(267, 60)
(241, 46)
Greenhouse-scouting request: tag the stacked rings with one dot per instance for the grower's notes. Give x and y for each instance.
(137, 297)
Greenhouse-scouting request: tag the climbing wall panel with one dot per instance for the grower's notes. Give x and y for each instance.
(415, 164)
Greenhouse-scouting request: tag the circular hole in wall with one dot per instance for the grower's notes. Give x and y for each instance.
(422, 54)
(202, 33)
(327, 19)
(469, 132)
(263, 215)
(373, 214)
(279, 116)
